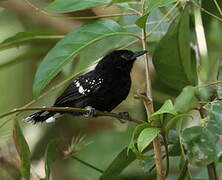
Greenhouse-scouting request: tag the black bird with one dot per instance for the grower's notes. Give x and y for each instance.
(100, 89)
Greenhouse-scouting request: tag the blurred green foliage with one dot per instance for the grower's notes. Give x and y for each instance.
(26, 39)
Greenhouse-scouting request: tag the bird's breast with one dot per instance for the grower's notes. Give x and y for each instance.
(112, 92)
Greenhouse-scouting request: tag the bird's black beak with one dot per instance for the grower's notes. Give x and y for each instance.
(138, 53)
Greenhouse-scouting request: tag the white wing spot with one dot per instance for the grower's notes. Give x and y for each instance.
(86, 80)
(77, 84)
(81, 90)
(44, 113)
(29, 118)
(51, 119)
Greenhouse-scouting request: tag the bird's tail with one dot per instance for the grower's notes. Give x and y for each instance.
(42, 116)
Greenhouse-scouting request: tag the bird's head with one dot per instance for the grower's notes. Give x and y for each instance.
(120, 60)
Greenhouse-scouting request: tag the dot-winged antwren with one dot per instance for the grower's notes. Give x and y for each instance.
(100, 89)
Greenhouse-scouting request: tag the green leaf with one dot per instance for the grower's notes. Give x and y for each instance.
(50, 156)
(24, 37)
(125, 6)
(62, 6)
(214, 119)
(153, 4)
(155, 16)
(172, 56)
(186, 100)
(146, 137)
(135, 135)
(70, 46)
(23, 151)
(200, 145)
(120, 3)
(167, 107)
(173, 121)
(88, 55)
(141, 22)
(122, 160)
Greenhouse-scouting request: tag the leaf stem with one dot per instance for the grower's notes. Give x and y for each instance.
(70, 109)
(87, 164)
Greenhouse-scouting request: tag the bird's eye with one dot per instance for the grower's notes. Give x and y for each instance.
(126, 56)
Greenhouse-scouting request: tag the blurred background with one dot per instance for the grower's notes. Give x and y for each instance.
(105, 137)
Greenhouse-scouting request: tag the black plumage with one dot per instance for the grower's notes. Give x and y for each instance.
(102, 88)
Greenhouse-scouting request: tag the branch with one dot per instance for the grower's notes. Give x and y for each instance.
(218, 7)
(87, 164)
(210, 84)
(149, 105)
(70, 109)
(206, 11)
(183, 171)
(92, 17)
(155, 27)
(7, 44)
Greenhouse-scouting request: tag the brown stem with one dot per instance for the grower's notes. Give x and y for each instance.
(70, 109)
(150, 110)
(183, 171)
(211, 168)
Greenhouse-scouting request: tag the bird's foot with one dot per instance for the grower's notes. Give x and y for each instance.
(91, 112)
(124, 116)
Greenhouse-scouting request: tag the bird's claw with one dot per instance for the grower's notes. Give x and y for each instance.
(91, 112)
(124, 116)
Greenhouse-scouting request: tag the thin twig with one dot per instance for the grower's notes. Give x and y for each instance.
(77, 18)
(210, 84)
(87, 164)
(206, 11)
(212, 173)
(55, 88)
(148, 23)
(154, 28)
(167, 154)
(183, 171)
(3, 45)
(70, 109)
(164, 18)
(218, 7)
(149, 105)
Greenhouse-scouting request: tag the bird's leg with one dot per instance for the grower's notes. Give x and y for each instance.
(123, 116)
(91, 112)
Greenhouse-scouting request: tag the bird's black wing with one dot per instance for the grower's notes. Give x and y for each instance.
(83, 86)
